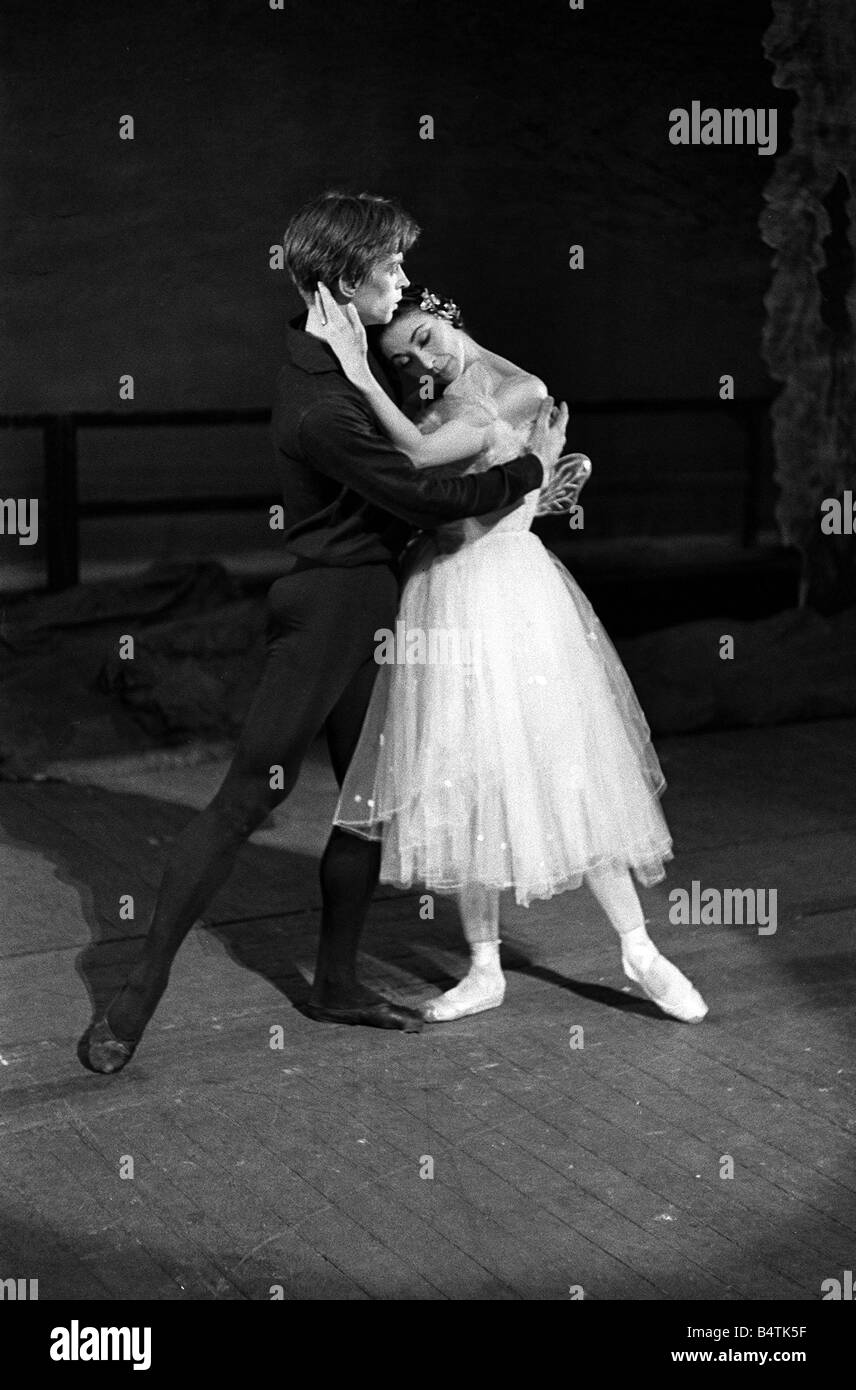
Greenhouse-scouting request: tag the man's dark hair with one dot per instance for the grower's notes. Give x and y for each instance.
(344, 234)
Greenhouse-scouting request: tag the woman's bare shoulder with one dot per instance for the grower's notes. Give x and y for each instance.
(505, 373)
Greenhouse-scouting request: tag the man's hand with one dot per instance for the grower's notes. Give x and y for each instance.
(343, 330)
(547, 439)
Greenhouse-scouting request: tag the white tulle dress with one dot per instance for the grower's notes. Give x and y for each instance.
(503, 744)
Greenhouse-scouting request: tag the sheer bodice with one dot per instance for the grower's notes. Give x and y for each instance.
(471, 395)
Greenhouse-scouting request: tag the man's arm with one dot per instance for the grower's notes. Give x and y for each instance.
(341, 440)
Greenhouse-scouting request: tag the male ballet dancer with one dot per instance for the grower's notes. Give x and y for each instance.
(351, 501)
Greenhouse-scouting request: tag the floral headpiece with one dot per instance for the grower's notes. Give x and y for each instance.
(441, 308)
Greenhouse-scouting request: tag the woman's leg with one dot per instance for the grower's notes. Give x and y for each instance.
(483, 986)
(642, 962)
(616, 893)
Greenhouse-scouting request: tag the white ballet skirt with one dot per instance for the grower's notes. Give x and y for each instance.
(517, 756)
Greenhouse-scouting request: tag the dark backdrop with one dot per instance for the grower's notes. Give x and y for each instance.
(551, 128)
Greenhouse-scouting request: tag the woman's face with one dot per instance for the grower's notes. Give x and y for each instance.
(419, 344)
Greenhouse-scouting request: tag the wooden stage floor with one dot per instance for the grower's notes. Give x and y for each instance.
(602, 1168)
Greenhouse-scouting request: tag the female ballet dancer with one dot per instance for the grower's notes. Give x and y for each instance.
(516, 755)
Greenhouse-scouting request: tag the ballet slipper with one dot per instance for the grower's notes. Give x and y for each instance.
(476, 993)
(101, 1051)
(670, 990)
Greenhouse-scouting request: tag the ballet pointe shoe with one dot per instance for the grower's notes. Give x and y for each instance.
(668, 988)
(478, 991)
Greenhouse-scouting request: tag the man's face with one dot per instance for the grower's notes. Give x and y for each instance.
(376, 297)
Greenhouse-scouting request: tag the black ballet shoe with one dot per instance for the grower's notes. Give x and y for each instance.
(99, 1049)
(380, 1015)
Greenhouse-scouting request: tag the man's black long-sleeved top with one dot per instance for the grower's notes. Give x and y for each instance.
(351, 497)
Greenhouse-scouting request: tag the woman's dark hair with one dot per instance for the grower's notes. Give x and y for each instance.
(344, 234)
(416, 299)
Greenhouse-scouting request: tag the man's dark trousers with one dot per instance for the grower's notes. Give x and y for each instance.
(319, 671)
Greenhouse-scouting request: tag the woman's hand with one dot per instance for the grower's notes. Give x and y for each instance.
(344, 332)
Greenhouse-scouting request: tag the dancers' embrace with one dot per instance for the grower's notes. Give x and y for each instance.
(525, 764)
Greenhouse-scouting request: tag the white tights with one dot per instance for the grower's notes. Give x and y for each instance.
(614, 890)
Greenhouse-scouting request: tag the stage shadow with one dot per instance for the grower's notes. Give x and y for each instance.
(107, 844)
(110, 846)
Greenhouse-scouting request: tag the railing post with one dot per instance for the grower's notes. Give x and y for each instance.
(60, 493)
(753, 418)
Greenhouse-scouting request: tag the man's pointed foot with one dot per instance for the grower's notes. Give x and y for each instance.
(99, 1049)
(111, 1041)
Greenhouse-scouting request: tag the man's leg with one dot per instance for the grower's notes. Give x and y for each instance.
(349, 873)
(200, 862)
(322, 623)
(350, 863)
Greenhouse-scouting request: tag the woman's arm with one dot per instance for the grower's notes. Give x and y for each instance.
(456, 440)
(452, 442)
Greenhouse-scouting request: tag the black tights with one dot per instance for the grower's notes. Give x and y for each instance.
(319, 673)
